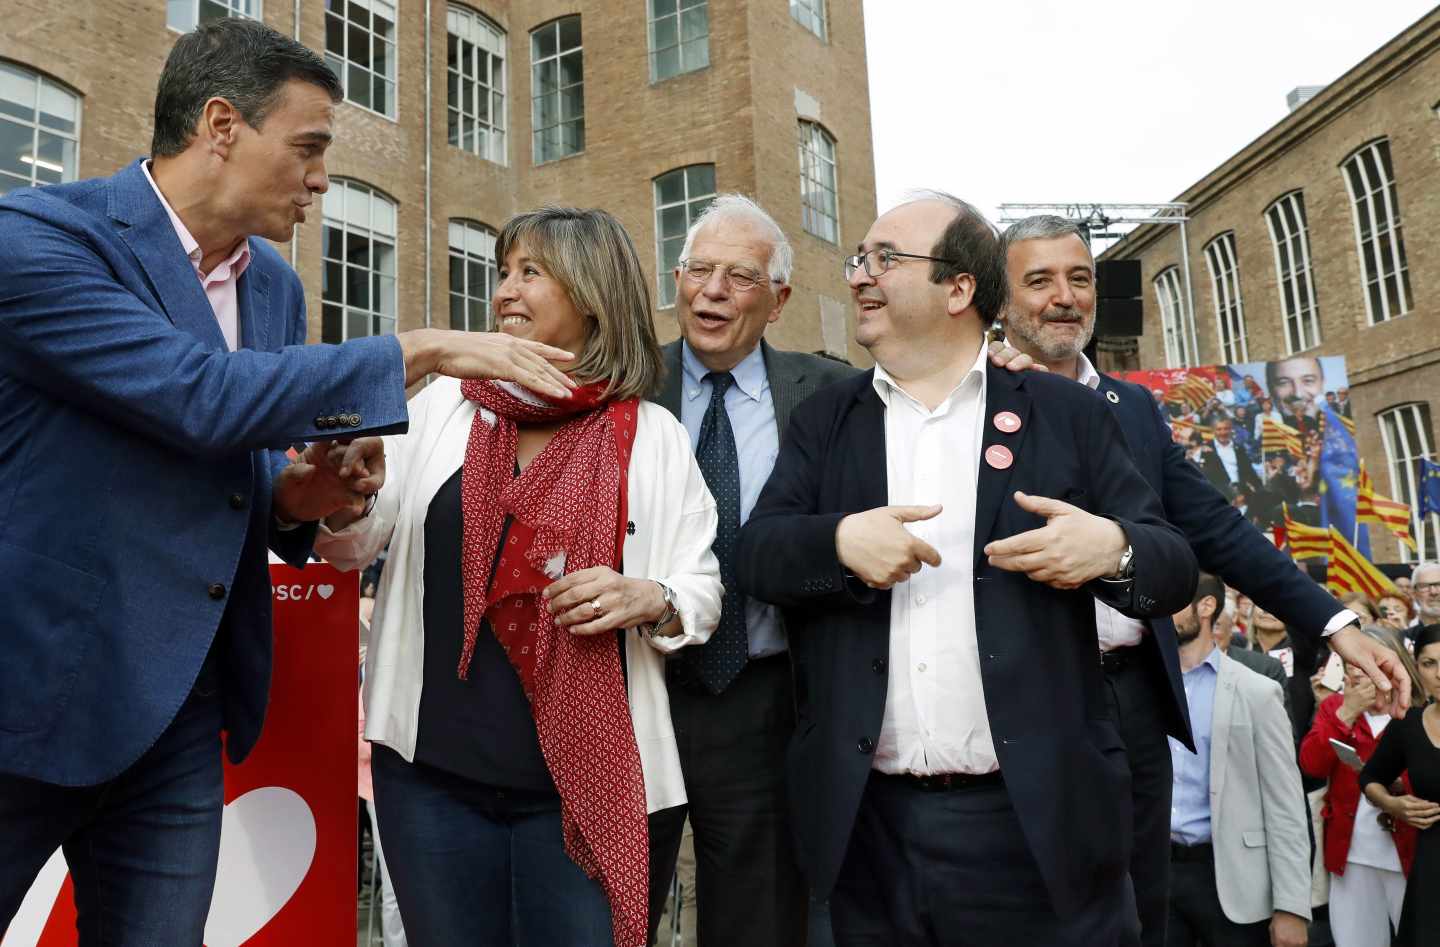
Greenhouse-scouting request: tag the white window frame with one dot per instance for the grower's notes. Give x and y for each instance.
(1374, 200)
(1224, 266)
(182, 16)
(1405, 444)
(350, 207)
(1294, 274)
(811, 15)
(471, 242)
(486, 47)
(692, 203)
(340, 62)
(1173, 318)
(41, 87)
(539, 155)
(815, 167)
(668, 22)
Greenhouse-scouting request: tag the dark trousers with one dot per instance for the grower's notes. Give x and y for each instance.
(1135, 704)
(748, 888)
(473, 864)
(951, 869)
(1196, 918)
(142, 848)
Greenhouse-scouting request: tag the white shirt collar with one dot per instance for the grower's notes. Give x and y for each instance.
(886, 386)
(1086, 374)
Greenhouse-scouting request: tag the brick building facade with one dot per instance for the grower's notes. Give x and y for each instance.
(585, 102)
(1322, 236)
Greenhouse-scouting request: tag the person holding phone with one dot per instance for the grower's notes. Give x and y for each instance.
(1411, 745)
(1367, 854)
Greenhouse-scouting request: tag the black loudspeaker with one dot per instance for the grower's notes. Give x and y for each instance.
(1119, 318)
(1118, 279)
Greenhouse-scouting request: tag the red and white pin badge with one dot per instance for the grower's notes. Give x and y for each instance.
(999, 456)
(1007, 422)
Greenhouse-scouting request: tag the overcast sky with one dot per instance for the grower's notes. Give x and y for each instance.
(1094, 100)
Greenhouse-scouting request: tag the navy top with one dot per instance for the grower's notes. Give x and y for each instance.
(481, 728)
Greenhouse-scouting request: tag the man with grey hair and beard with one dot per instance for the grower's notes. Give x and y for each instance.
(732, 700)
(1425, 589)
(1048, 320)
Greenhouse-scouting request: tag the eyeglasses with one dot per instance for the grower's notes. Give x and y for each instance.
(1427, 587)
(739, 279)
(878, 261)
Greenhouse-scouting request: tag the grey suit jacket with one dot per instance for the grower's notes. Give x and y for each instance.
(1262, 663)
(1257, 808)
(794, 376)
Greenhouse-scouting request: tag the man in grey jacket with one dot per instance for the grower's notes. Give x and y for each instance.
(1239, 845)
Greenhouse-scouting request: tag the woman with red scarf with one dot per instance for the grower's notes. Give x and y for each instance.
(1367, 855)
(545, 556)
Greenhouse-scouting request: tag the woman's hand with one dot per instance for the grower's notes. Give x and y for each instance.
(1413, 811)
(1320, 691)
(599, 599)
(1359, 696)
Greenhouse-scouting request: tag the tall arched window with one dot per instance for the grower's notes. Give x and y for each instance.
(1173, 318)
(1370, 179)
(475, 90)
(1406, 431)
(473, 275)
(39, 129)
(681, 196)
(358, 248)
(1290, 236)
(819, 188)
(1229, 310)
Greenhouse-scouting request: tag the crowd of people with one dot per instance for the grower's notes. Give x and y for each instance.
(939, 653)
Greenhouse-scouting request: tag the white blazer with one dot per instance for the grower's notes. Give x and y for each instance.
(674, 517)
(1257, 806)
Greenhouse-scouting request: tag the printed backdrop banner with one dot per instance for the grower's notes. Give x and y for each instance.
(1271, 436)
(288, 846)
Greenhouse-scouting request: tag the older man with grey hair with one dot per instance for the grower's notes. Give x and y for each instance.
(1425, 588)
(1049, 318)
(732, 700)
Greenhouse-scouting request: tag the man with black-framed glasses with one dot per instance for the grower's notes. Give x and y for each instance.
(956, 777)
(732, 700)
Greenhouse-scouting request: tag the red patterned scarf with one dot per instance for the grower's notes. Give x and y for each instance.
(569, 514)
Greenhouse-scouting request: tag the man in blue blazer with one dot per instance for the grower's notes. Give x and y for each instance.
(152, 373)
(955, 776)
(1049, 318)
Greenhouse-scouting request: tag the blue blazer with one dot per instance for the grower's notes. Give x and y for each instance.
(1225, 544)
(136, 460)
(1062, 756)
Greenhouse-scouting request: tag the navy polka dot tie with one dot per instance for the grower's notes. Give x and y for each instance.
(720, 660)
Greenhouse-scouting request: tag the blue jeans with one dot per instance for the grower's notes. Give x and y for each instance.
(477, 865)
(142, 848)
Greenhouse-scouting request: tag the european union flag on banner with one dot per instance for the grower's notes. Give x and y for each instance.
(1429, 487)
(1339, 474)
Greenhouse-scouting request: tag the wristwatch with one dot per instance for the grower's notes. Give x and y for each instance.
(1127, 567)
(653, 628)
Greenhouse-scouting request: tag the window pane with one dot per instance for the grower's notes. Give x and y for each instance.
(56, 156)
(180, 15)
(670, 188)
(665, 33)
(457, 309)
(572, 103)
(667, 62)
(547, 78)
(542, 42)
(572, 68)
(357, 286)
(357, 324)
(17, 93)
(330, 320)
(694, 24)
(16, 146)
(569, 33)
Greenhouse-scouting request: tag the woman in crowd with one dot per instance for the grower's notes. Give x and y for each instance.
(1396, 611)
(544, 556)
(1412, 745)
(1367, 857)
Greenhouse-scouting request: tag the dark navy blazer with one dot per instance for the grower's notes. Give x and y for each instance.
(136, 460)
(1062, 756)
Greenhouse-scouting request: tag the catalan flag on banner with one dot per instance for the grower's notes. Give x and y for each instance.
(1277, 438)
(1185, 428)
(1194, 392)
(1348, 571)
(1305, 542)
(1372, 507)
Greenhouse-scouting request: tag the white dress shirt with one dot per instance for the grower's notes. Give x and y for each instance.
(935, 719)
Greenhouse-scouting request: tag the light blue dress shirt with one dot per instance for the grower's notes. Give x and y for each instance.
(757, 443)
(1190, 804)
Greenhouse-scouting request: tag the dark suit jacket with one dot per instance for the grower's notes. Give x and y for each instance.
(136, 460)
(794, 376)
(1063, 760)
(1224, 543)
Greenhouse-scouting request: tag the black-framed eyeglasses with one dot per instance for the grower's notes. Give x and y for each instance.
(740, 279)
(879, 260)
